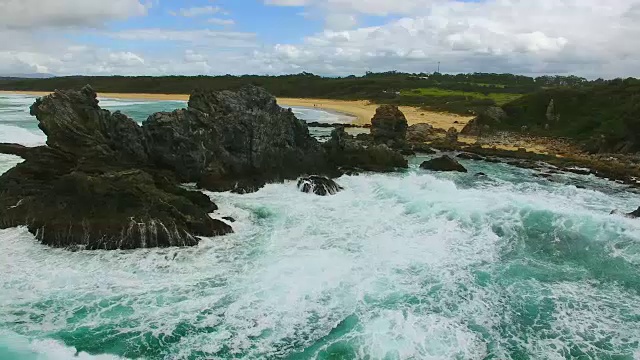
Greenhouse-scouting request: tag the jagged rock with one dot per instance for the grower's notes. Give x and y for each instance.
(420, 133)
(345, 151)
(104, 182)
(443, 163)
(229, 219)
(75, 124)
(233, 141)
(318, 185)
(93, 185)
(389, 126)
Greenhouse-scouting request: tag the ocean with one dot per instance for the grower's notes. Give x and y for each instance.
(411, 265)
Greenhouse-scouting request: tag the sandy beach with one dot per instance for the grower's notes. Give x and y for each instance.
(362, 110)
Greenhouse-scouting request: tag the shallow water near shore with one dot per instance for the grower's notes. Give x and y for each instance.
(413, 265)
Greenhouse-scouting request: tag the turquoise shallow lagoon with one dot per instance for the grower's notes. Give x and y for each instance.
(413, 265)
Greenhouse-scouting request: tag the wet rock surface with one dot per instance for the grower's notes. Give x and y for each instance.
(443, 163)
(319, 185)
(344, 150)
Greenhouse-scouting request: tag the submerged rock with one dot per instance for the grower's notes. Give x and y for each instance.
(389, 126)
(318, 185)
(443, 163)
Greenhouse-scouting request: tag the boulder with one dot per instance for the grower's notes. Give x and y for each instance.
(318, 185)
(345, 151)
(389, 126)
(484, 121)
(443, 163)
(420, 133)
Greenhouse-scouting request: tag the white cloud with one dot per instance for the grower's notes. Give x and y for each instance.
(197, 11)
(223, 22)
(66, 13)
(588, 37)
(205, 37)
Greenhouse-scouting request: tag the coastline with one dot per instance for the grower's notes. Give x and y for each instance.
(362, 110)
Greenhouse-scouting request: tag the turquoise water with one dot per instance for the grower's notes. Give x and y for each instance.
(414, 265)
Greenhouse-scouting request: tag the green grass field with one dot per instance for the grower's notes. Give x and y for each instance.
(499, 98)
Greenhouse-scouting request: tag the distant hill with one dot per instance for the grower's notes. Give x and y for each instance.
(25, 76)
(605, 117)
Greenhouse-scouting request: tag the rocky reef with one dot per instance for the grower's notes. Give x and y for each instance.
(104, 182)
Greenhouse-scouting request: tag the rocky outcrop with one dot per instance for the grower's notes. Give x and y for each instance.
(422, 132)
(233, 141)
(318, 185)
(443, 163)
(105, 182)
(345, 151)
(93, 185)
(485, 121)
(389, 126)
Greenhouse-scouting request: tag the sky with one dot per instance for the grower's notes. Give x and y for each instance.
(591, 38)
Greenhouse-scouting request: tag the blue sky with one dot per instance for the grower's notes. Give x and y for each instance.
(591, 38)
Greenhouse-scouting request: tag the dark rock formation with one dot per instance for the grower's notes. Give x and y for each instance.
(318, 185)
(634, 214)
(233, 141)
(420, 133)
(389, 126)
(104, 182)
(344, 150)
(93, 186)
(443, 163)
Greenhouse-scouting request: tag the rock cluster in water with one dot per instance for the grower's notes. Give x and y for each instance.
(105, 182)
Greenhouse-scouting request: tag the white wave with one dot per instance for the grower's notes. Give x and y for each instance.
(320, 115)
(400, 254)
(19, 135)
(17, 347)
(110, 102)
